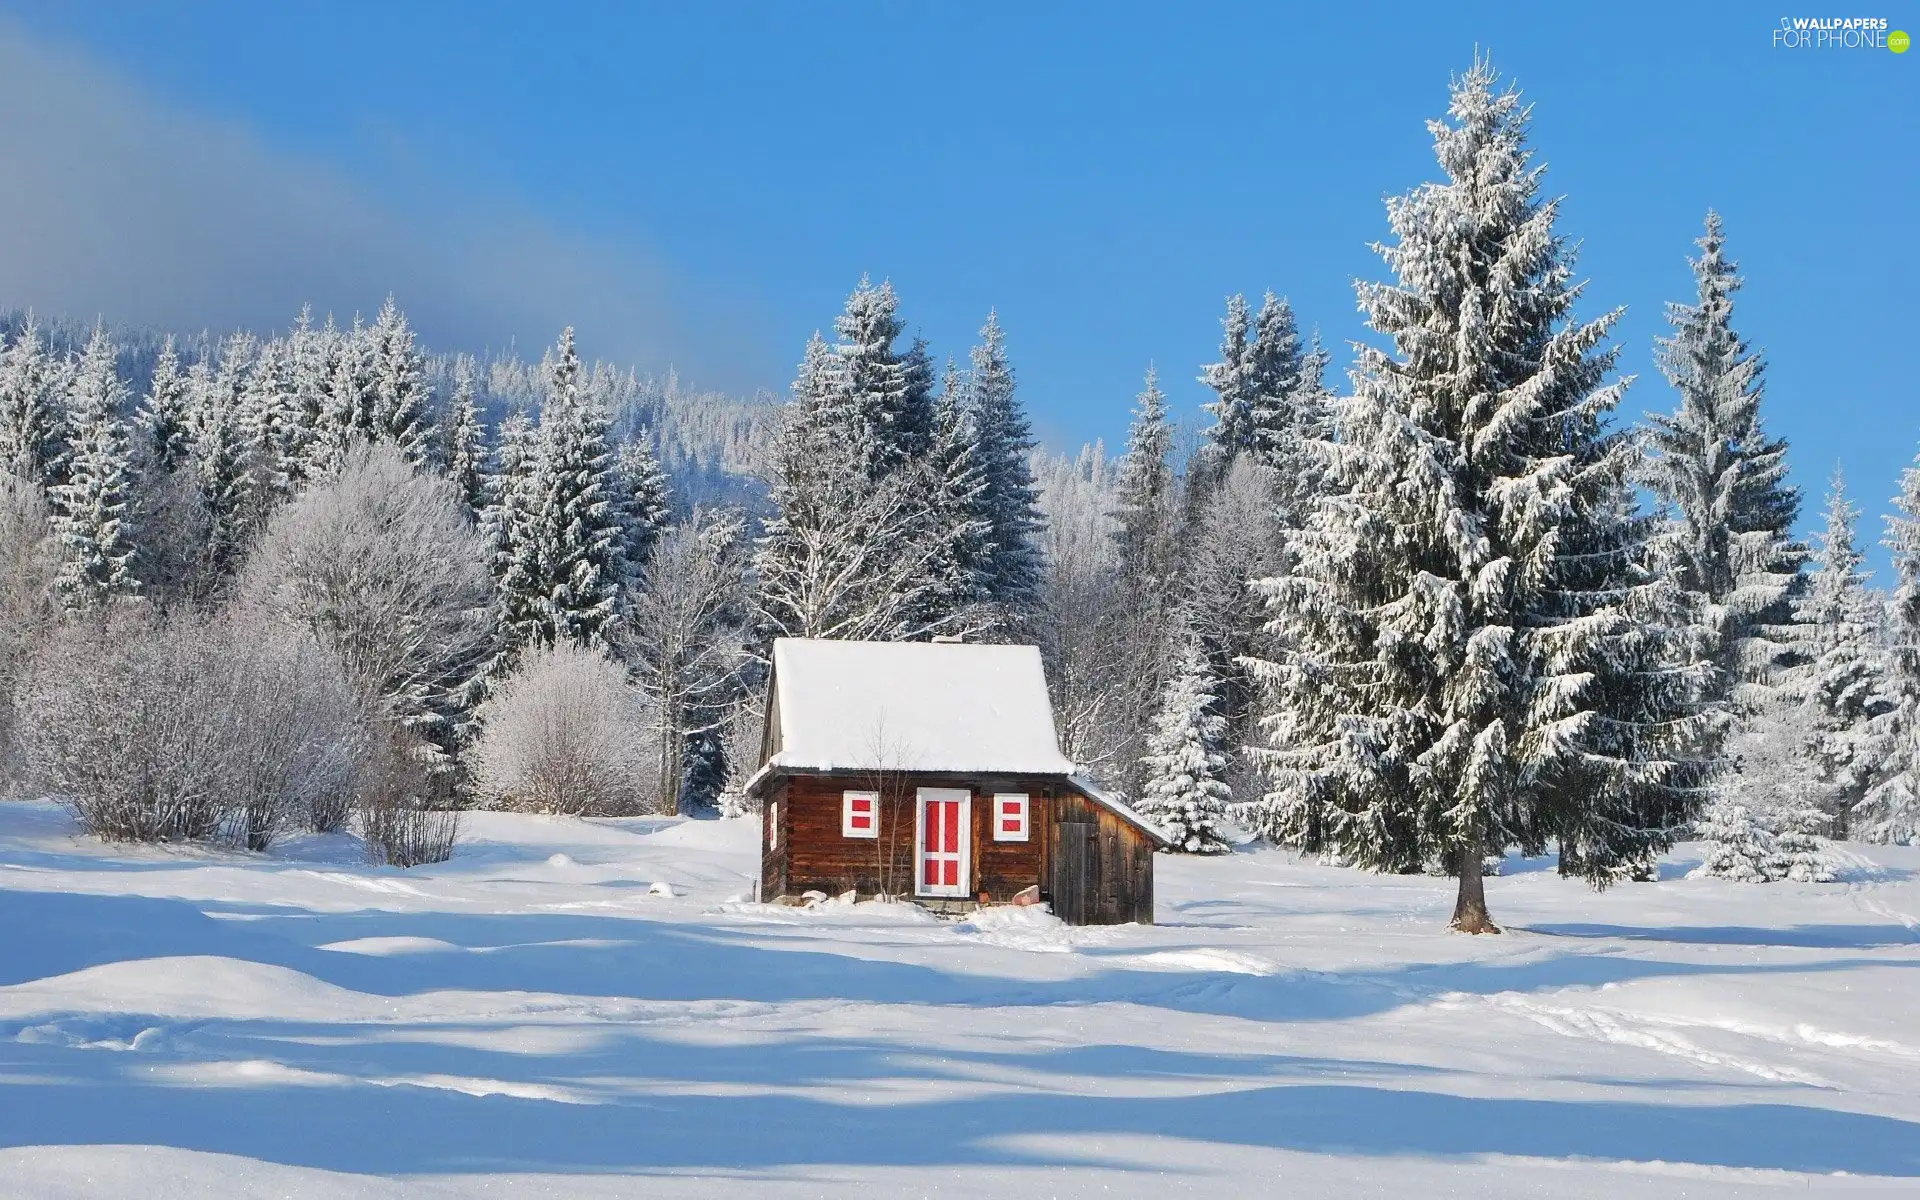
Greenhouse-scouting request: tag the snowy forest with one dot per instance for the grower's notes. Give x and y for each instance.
(1408, 606)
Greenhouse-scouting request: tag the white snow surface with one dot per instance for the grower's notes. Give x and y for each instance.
(913, 706)
(534, 1018)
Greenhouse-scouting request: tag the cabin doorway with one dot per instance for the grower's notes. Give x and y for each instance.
(943, 833)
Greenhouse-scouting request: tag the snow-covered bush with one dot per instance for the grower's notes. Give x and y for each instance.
(190, 730)
(382, 567)
(406, 804)
(566, 733)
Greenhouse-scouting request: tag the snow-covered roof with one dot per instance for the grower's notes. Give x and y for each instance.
(1119, 808)
(912, 706)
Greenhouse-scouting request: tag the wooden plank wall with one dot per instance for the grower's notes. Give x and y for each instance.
(815, 856)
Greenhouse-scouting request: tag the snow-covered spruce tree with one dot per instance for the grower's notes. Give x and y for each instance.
(347, 413)
(1003, 443)
(842, 556)
(881, 396)
(1847, 679)
(958, 528)
(1737, 846)
(1890, 812)
(399, 405)
(465, 451)
(1184, 792)
(1724, 481)
(89, 507)
(1234, 430)
(315, 355)
(269, 423)
(30, 432)
(1469, 661)
(163, 415)
(1764, 823)
(1147, 515)
(646, 501)
(508, 525)
(220, 452)
(564, 561)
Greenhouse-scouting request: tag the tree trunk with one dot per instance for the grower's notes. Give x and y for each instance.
(1470, 908)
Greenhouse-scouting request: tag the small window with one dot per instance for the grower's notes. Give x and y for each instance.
(1010, 817)
(860, 814)
(773, 825)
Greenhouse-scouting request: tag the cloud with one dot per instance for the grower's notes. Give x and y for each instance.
(114, 203)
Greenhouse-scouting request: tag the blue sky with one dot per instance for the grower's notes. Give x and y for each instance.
(702, 184)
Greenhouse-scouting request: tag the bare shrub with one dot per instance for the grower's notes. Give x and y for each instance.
(382, 567)
(565, 733)
(187, 730)
(28, 562)
(406, 805)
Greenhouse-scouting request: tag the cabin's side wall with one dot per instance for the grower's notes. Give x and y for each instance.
(1100, 868)
(819, 857)
(775, 814)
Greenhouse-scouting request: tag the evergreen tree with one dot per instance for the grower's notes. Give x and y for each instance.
(89, 509)
(958, 529)
(1235, 429)
(1239, 538)
(398, 403)
(465, 452)
(1724, 481)
(1736, 846)
(315, 354)
(1469, 659)
(220, 452)
(30, 432)
(878, 394)
(567, 567)
(1146, 509)
(347, 416)
(646, 496)
(269, 423)
(1009, 503)
(1846, 682)
(1890, 812)
(1147, 519)
(1277, 371)
(164, 417)
(1184, 791)
(510, 528)
(1764, 823)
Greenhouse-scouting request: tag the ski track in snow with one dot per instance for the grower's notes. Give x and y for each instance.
(589, 1008)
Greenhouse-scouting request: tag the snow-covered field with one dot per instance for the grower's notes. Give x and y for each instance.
(533, 1018)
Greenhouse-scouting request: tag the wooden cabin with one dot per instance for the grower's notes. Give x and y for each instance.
(930, 771)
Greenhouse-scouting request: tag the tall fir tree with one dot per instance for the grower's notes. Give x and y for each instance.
(646, 500)
(1470, 659)
(1147, 518)
(31, 436)
(1003, 445)
(1846, 681)
(220, 452)
(315, 354)
(1185, 793)
(879, 394)
(399, 404)
(1890, 811)
(1235, 429)
(565, 567)
(164, 416)
(89, 507)
(465, 451)
(269, 423)
(1724, 481)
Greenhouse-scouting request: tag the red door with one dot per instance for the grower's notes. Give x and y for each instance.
(944, 833)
